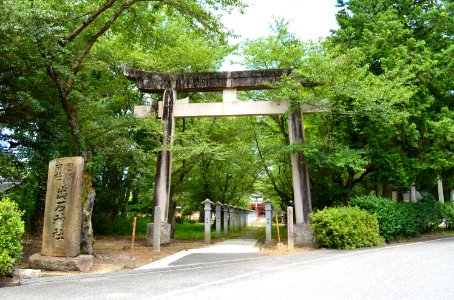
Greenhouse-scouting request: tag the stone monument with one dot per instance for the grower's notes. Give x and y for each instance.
(62, 219)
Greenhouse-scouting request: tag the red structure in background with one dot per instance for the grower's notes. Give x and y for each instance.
(259, 208)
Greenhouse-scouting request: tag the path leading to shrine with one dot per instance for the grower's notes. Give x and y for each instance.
(245, 246)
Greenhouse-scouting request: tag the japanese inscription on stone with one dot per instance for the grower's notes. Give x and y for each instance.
(62, 216)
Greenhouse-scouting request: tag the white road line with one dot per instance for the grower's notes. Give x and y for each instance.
(228, 246)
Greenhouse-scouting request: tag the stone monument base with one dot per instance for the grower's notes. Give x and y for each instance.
(82, 263)
(303, 235)
(165, 234)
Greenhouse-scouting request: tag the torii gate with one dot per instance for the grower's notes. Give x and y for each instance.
(228, 82)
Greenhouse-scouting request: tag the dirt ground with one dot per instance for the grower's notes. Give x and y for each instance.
(111, 252)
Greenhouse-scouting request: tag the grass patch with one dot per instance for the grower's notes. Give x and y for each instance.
(260, 234)
(196, 231)
(191, 231)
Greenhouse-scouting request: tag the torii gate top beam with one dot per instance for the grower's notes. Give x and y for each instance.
(206, 81)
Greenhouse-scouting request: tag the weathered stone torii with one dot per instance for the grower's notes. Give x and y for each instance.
(229, 83)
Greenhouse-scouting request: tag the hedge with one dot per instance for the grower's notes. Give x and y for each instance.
(403, 219)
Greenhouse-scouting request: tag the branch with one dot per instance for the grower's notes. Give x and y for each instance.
(87, 22)
(72, 19)
(270, 175)
(360, 178)
(93, 39)
(60, 87)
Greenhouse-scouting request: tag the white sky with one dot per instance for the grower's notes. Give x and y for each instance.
(310, 19)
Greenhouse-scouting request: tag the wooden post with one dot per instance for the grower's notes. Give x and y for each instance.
(157, 229)
(290, 240)
(133, 236)
(300, 174)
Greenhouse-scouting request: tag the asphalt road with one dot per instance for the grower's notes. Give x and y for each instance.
(422, 270)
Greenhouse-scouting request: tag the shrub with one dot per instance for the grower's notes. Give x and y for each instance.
(385, 210)
(430, 214)
(345, 228)
(401, 219)
(448, 214)
(11, 230)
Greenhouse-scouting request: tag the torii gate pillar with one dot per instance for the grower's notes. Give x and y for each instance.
(164, 159)
(300, 178)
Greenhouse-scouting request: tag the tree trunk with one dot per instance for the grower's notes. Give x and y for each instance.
(387, 190)
(86, 246)
(201, 216)
(345, 198)
(400, 194)
(88, 202)
(172, 209)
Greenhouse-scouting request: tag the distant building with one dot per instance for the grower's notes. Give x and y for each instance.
(257, 205)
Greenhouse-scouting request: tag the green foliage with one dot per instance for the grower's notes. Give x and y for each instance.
(402, 219)
(122, 225)
(345, 228)
(11, 230)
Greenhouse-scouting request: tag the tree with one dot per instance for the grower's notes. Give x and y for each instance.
(412, 39)
(362, 108)
(62, 71)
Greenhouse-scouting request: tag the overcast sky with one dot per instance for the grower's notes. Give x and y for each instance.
(310, 19)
